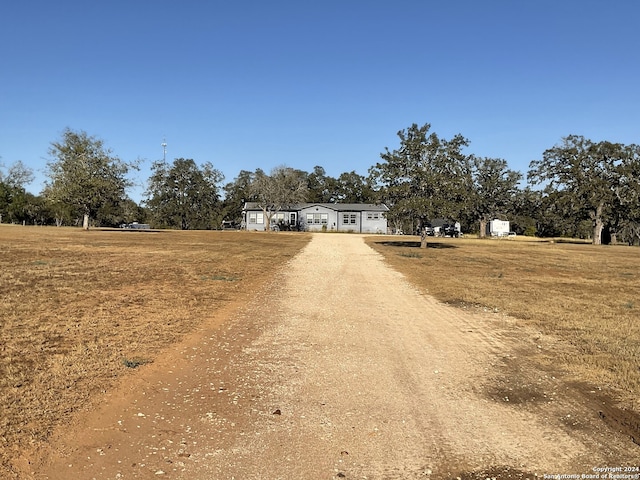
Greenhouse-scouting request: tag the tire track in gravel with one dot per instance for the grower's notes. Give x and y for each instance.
(338, 368)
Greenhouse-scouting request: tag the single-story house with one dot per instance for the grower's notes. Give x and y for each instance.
(316, 217)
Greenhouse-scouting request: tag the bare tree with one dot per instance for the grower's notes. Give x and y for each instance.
(18, 175)
(284, 186)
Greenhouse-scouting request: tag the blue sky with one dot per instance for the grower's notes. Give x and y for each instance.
(256, 84)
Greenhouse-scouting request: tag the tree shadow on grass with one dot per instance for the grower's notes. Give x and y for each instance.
(574, 241)
(413, 244)
(128, 230)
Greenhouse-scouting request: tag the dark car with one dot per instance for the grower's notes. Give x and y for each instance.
(450, 231)
(230, 225)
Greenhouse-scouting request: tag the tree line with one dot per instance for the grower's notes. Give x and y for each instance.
(585, 189)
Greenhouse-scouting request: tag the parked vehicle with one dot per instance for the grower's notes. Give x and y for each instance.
(136, 226)
(450, 231)
(230, 225)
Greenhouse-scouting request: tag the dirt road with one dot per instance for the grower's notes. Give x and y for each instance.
(341, 369)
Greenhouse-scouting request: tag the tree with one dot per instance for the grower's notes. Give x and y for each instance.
(557, 215)
(321, 187)
(594, 178)
(353, 188)
(18, 175)
(494, 190)
(236, 193)
(61, 212)
(13, 196)
(184, 196)
(85, 175)
(425, 178)
(626, 213)
(284, 186)
(5, 199)
(29, 208)
(131, 212)
(526, 207)
(126, 211)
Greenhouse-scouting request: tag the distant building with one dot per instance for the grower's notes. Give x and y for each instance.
(498, 228)
(316, 217)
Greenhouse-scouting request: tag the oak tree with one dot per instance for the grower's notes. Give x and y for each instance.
(426, 177)
(595, 179)
(85, 175)
(236, 194)
(494, 189)
(185, 196)
(352, 187)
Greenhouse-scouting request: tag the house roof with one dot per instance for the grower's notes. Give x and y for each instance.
(339, 207)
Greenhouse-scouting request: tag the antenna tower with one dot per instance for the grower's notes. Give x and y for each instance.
(164, 150)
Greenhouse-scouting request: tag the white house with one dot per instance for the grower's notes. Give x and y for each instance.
(330, 217)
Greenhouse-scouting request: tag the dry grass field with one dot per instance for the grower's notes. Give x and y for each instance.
(80, 310)
(587, 296)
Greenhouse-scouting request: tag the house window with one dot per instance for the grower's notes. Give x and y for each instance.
(252, 217)
(318, 218)
(259, 218)
(349, 218)
(373, 216)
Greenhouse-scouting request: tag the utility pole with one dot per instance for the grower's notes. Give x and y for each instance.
(164, 150)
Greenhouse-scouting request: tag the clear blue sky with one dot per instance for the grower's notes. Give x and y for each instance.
(255, 84)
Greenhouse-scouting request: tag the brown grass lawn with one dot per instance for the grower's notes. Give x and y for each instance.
(79, 310)
(588, 296)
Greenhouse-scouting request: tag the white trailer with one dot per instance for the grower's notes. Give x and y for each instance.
(498, 228)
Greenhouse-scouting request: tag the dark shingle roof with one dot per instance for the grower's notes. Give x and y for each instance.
(339, 207)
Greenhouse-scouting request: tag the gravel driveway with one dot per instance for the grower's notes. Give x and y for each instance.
(341, 369)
